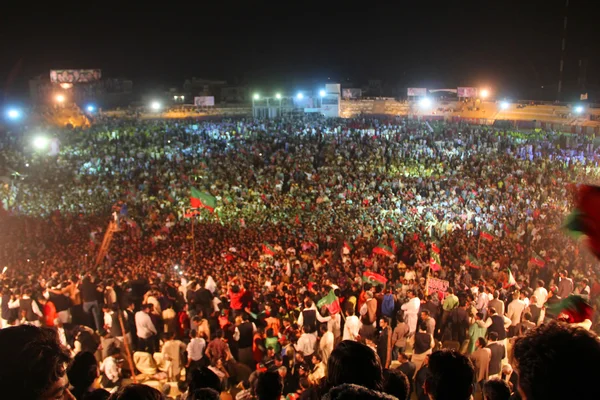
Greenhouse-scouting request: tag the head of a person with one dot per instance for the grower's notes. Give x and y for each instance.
(425, 315)
(83, 371)
(556, 361)
(269, 386)
(34, 364)
(349, 352)
(349, 310)
(396, 383)
(492, 311)
(493, 336)
(481, 342)
(137, 391)
(496, 389)
(402, 357)
(451, 376)
(384, 321)
(204, 378)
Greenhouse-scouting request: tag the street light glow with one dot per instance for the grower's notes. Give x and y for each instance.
(13, 114)
(322, 93)
(90, 108)
(579, 109)
(484, 93)
(60, 98)
(278, 96)
(41, 142)
(155, 105)
(256, 96)
(504, 105)
(425, 102)
(300, 96)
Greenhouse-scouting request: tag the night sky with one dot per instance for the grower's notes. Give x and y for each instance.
(511, 46)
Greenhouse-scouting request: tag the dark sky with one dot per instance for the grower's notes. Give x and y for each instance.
(511, 46)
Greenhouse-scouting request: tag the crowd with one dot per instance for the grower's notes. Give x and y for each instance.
(317, 258)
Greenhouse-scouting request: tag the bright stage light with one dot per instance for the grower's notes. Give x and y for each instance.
(13, 114)
(155, 105)
(322, 93)
(579, 109)
(504, 105)
(300, 96)
(278, 96)
(256, 96)
(425, 102)
(484, 93)
(41, 142)
(60, 98)
(90, 108)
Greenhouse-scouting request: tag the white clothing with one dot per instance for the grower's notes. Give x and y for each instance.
(326, 346)
(541, 295)
(351, 328)
(307, 343)
(411, 313)
(196, 348)
(144, 326)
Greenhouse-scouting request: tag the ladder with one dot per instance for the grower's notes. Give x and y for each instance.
(110, 231)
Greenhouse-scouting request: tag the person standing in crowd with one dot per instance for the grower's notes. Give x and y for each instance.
(429, 321)
(496, 323)
(326, 343)
(352, 325)
(195, 352)
(515, 312)
(423, 344)
(384, 342)
(498, 353)
(399, 336)
(244, 334)
(476, 331)
(496, 303)
(145, 330)
(89, 296)
(481, 360)
(172, 351)
(565, 284)
(411, 311)
(451, 376)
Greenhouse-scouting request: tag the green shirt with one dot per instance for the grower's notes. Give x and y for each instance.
(450, 303)
(475, 332)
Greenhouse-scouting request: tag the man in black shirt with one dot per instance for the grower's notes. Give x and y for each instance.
(89, 296)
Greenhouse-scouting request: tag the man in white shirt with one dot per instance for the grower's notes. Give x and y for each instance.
(307, 343)
(541, 294)
(352, 325)
(111, 372)
(514, 312)
(145, 330)
(195, 350)
(411, 311)
(325, 344)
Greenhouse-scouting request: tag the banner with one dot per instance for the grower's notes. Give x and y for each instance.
(437, 285)
(416, 91)
(333, 88)
(351, 94)
(204, 101)
(330, 105)
(75, 75)
(466, 92)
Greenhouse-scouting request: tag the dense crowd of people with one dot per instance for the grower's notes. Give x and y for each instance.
(334, 245)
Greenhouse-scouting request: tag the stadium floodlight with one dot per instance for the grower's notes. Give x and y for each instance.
(578, 109)
(13, 114)
(41, 142)
(425, 102)
(484, 93)
(60, 98)
(278, 96)
(504, 105)
(322, 93)
(300, 96)
(182, 97)
(155, 105)
(256, 96)
(174, 97)
(90, 108)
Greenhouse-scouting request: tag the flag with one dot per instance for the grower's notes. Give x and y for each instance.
(574, 308)
(374, 278)
(473, 262)
(268, 249)
(511, 279)
(332, 303)
(394, 245)
(202, 200)
(434, 261)
(585, 220)
(485, 234)
(383, 250)
(435, 247)
(348, 246)
(537, 260)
